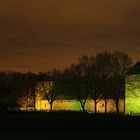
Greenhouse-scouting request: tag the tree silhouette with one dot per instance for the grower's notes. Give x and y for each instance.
(50, 86)
(93, 87)
(78, 85)
(120, 64)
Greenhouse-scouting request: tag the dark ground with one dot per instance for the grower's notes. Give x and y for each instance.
(67, 125)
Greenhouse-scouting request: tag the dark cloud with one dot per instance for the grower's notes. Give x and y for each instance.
(39, 35)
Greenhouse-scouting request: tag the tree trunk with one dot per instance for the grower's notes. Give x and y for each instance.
(34, 104)
(105, 106)
(95, 107)
(34, 97)
(26, 108)
(117, 107)
(83, 108)
(124, 106)
(51, 104)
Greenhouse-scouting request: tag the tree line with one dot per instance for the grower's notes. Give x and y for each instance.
(96, 77)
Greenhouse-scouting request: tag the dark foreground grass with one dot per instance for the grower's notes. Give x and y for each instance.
(68, 124)
(39, 121)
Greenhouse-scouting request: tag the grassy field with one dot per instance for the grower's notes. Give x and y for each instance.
(68, 124)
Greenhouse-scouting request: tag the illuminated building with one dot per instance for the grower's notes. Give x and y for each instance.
(131, 101)
(70, 103)
(132, 90)
(74, 105)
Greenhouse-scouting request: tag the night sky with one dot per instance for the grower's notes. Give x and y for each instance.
(39, 35)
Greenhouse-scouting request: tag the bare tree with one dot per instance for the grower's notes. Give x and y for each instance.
(50, 86)
(32, 81)
(78, 84)
(103, 60)
(24, 84)
(120, 64)
(105, 76)
(90, 72)
(26, 100)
